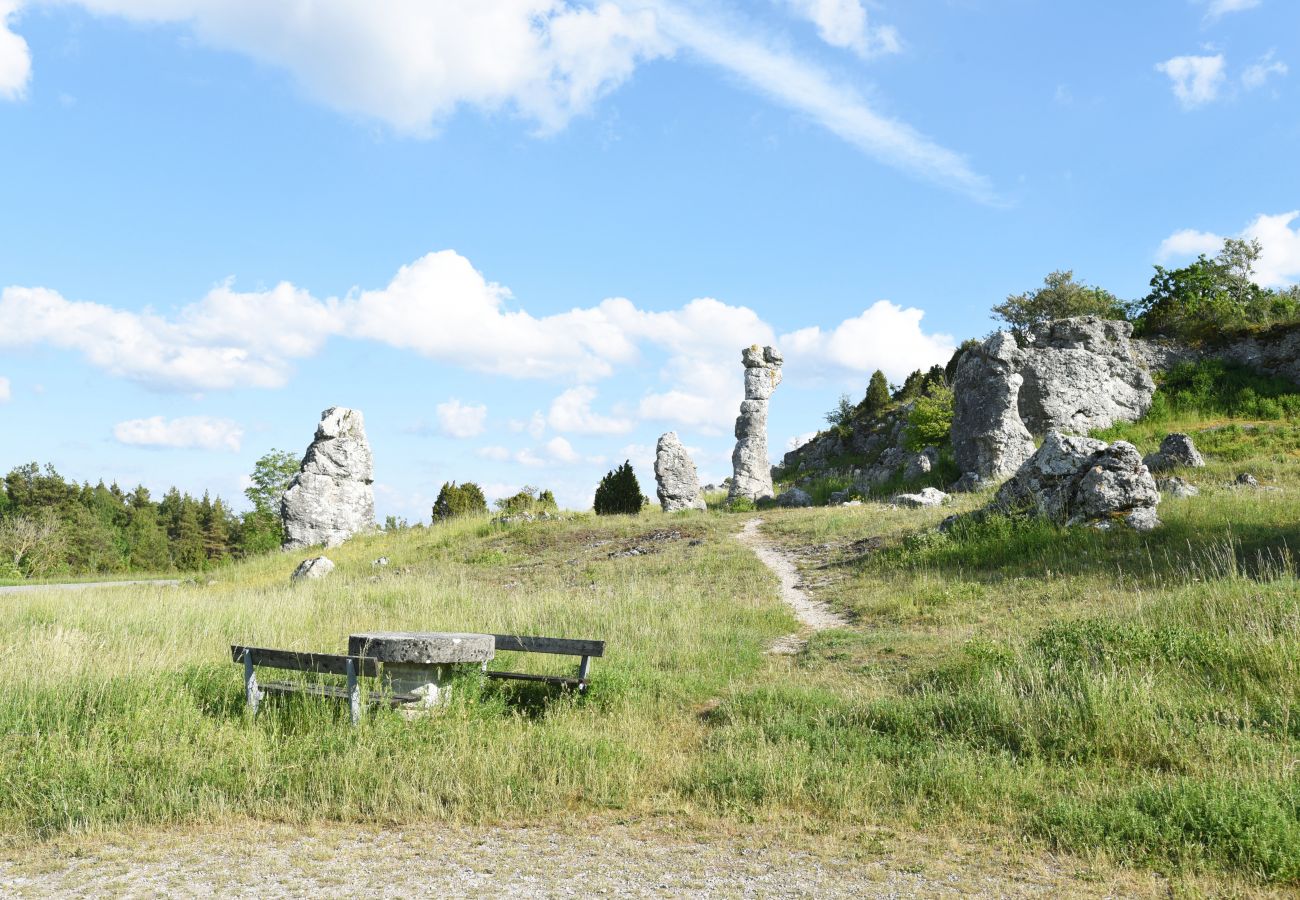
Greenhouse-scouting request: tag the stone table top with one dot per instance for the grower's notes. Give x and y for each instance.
(423, 647)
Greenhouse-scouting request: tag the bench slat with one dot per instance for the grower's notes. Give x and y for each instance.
(569, 647)
(528, 676)
(326, 663)
(333, 692)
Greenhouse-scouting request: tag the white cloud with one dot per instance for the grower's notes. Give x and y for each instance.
(192, 432)
(413, 63)
(885, 336)
(1279, 259)
(1258, 74)
(15, 58)
(1196, 80)
(561, 450)
(528, 457)
(460, 421)
(6, 393)
(1219, 8)
(843, 23)
(495, 453)
(571, 411)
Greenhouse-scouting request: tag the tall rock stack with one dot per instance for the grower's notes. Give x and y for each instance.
(333, 497)
(752, 472)
(678, 483)
(988, 437)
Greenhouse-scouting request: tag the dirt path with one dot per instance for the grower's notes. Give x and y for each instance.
(443, 860)
(813, 614)
(84, 585)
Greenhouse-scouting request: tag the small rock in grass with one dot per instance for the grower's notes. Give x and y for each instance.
(382, 561)
(1177, 487)
(968, 483)
(925, 497)
(1245, 479)
(316, 567)
(1176, 450)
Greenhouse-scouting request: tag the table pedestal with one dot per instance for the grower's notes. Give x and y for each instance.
(425, 663)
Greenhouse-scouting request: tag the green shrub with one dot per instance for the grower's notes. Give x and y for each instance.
(1060, 297)
(528, 500)
(619, 493)
(877, 393)
(456, 500)
(930, 421)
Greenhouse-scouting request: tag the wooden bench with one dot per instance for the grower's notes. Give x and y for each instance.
(353, 667)
(562, 646)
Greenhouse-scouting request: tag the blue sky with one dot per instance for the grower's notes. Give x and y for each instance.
(525, 237)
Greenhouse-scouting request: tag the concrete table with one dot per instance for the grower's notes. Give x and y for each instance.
(424, 663)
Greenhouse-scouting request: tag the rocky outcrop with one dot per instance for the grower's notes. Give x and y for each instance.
(752, 476)
(332, 498)
(988, 437)
(1078, 480)
(1177, 487)
(1070, 375)
(1082, 374)
(316, 567)
(1176, 451)
(1274, 352)
(678, 484)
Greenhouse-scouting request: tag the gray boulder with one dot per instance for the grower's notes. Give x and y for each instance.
(1078, 480)
(988, 437)
(1245, 479)
(752, 476)
(923, 498)
(968, 483)
(1177, 487)
(794, 497)
(1176, 451)
(1082, 373)
(678, 485)
(921, 464)
(316, 567)
(332, 498)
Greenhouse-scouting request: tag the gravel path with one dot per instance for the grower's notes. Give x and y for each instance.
(84, 585)
(813, 614)
(273, 861)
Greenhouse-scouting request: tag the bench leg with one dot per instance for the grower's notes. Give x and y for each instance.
(251, 692)
(584, 669)
(354, 693)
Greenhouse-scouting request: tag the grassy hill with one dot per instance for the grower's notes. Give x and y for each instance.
(1132, 699)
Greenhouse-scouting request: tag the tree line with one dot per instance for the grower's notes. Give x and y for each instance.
(50, 525)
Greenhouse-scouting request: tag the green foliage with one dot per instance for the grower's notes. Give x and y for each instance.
(270, 478)
(950, 370)
(1060, 297)
(929, 422)
(1203, 300)
(528, 500)
(619, 493)
(459, 500)
(878, 398)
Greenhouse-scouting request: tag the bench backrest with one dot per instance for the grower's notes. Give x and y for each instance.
(524, 644)
(326, 663)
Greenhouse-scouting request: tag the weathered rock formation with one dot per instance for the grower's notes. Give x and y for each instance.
(1176, 451)
(1177, 487)
(1070, 375)
(752, 476)
(1078, 480)
(675, 475)
(332, 497)
(1081, 374)
(316, 567)
(988, 436)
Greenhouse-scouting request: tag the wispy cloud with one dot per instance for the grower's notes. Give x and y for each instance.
(459, 420)
(1217, 9)
(1279, 258)
(15, 57)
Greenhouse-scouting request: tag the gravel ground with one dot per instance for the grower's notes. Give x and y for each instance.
(273, 861)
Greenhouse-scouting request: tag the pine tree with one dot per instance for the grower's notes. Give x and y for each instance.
(146, 539)
(619, 492)
(877, 393)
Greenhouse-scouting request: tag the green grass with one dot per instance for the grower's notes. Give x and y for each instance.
(1134, 699)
